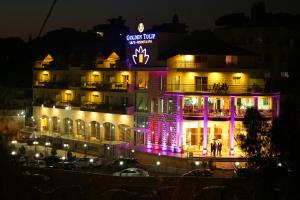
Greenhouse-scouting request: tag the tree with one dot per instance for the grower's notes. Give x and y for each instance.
(22, 150)
(286, 133)
(69, 155)
(53, 152)
(257, 143)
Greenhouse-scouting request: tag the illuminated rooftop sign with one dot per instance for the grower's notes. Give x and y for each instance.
(140, 56)
(141, 38)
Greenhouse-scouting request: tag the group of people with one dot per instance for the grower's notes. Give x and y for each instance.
(216, 148)
(219, 88)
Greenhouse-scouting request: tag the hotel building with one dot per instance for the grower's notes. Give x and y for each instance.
(172, 93)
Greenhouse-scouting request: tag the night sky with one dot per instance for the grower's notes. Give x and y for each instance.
(23, 17)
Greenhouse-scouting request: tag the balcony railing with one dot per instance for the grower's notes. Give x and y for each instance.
(216, 88)
(106, 86)
(64, 104)
(108, 108)
(182, 64)
(265, 113)
(193, 112)
(58, 104)
(218, 113)
(51, 66)
(51, 84)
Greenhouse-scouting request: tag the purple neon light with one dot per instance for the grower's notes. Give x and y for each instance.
(232, 112)
(255, 102)
(205, 121)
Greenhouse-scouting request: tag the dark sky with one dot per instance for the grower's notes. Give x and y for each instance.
(24, 17)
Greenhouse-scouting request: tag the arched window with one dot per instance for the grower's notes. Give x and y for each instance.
(68, 126)
(95, 129)
(44, 123)
(124, 132)
(109, 131)
(55, 124)
(80, 127)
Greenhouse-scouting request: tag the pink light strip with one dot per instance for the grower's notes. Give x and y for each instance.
(256, 102)
(205, 121)
(232, 112)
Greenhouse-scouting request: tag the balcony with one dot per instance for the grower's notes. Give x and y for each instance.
(64, 104)
(107, 108)
(218, 113)
(119, 65)
(184, 65)
(50, 66)
(189, 112)
(58, 104)
(103, 86)
(240, 113)
(141, 87)
(216, 88)
(193, 112)
(51, 84)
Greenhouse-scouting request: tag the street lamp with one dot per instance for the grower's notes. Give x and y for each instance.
(85, 146)
(37, 155)
(132, 153)
(66, 146)
(157, 164)
(14, 141)
(13, 153)
(47, 144)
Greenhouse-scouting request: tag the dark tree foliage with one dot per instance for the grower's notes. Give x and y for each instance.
(257, 142)
(286, 134)
(12, 183)
(53, 152)
(232, 20)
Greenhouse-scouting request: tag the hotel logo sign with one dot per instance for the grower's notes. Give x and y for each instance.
(141, 27)
(139, 45)
(141, 38)
(140, 56)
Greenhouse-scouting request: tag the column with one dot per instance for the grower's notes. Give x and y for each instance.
(275, 106)
(232, 127)
(179, 124)
(255, 102)
(205, 121)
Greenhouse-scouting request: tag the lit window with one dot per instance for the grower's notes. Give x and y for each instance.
(231, 60)
(236, 79)
(141, 58)
(161, 105)
(189, 58)
(170, 106)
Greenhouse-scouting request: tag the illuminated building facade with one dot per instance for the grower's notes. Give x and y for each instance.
(158, 98)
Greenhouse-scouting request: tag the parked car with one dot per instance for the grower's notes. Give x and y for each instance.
(88, 162)
(37, 163)
(51, 160)
(199, 172)
(243, 172)
(66, 166)
(131, 172)
(123, 163)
